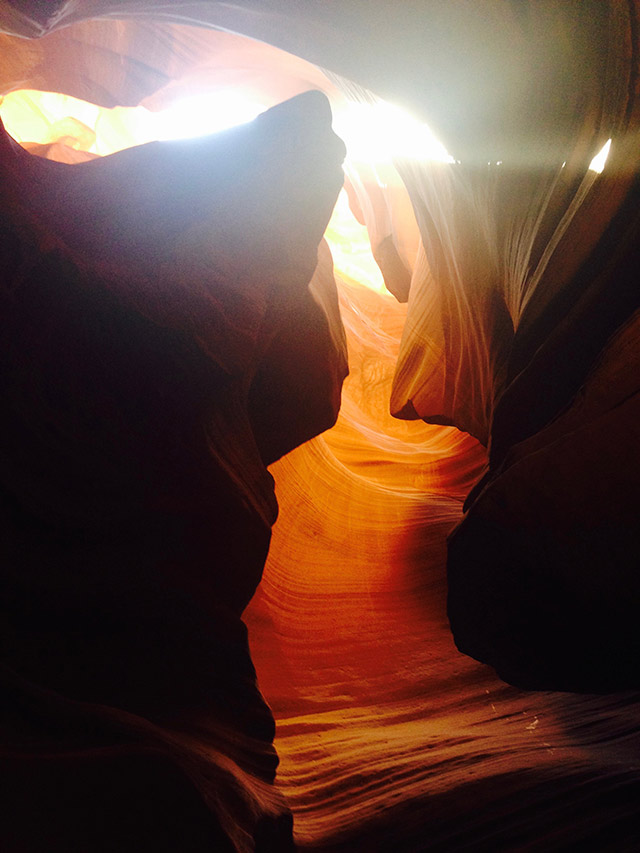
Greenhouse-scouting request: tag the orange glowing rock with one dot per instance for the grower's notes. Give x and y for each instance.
(388, 736)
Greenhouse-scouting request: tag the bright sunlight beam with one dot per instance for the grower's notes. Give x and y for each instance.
(381, 132)
(375, 134)
(210, 112)
(598, 162)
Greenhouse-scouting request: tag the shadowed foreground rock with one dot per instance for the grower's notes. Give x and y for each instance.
(543, 571)
(147, 298)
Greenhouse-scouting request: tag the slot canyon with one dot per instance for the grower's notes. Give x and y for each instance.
(320, 426)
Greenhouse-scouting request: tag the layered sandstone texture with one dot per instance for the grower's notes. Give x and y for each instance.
(174, 323)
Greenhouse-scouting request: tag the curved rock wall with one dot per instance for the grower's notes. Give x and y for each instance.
(387, 735)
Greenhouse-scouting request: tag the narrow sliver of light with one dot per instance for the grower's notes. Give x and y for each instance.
(598, 162)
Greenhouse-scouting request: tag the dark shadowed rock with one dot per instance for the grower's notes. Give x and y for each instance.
(142, 294)
(543, 570)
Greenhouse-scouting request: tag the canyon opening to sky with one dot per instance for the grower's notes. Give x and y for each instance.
(489, 310)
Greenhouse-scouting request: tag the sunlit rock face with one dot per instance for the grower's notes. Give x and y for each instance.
(516, 265)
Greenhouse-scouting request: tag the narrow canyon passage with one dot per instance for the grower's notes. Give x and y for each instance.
(515, 287)
(387, 735)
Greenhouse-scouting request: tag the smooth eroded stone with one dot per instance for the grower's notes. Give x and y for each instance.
(543, 579)
(141, 295)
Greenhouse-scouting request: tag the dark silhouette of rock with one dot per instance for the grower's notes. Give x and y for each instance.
(142, 295)
(543, 579)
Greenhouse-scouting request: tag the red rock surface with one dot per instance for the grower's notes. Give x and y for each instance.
(520, 267)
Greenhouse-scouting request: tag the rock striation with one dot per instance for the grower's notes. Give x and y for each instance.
(517, 266)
